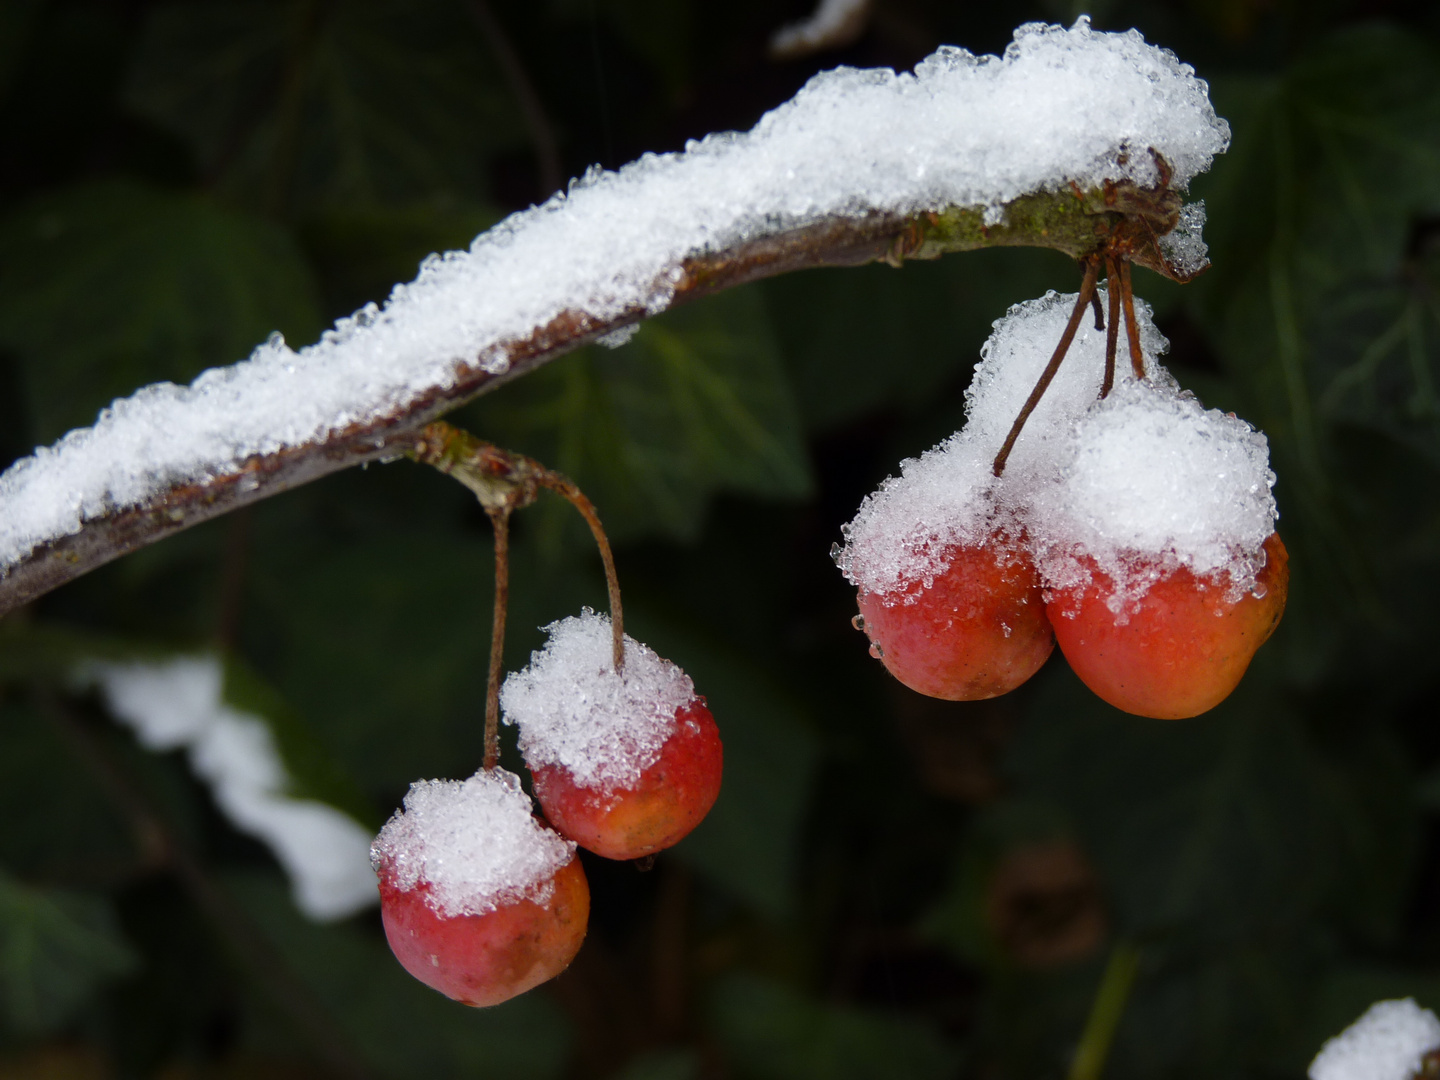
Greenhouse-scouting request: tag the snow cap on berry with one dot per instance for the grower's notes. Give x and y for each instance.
(1386, 1043)
(899, 540)
(1150, 481)
(1142, 482)
(475, 843)
(574, 710)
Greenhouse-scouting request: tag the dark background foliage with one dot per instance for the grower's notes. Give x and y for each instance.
(889, 886)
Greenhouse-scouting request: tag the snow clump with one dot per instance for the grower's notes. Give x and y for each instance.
(180, 703)
(1386, 1043)
(1135, 485)
(575, 711)
(475, 845)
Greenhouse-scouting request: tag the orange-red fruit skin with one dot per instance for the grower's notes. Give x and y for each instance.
(1185, 647)
(671, 797)
(486, 959)
(980, 630)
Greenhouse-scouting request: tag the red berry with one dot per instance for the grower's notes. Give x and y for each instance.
(479, 899)
(486, 959)
(626, 762)
(669, 799)
(1181, 649)
(978, 631)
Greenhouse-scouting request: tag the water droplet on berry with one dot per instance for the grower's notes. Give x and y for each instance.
(858, 622)
(876, 651)
(835, 553)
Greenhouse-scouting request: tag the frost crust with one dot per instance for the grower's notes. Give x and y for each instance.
(475, 843)
(1386, 1043)
(1061, 105)
(1135, 486)
(574, 710)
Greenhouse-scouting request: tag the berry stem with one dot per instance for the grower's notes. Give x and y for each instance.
(500, 522)
(504, 481)
(1112, 329)
(1132, 328)
(1087, 290)
(563, 486)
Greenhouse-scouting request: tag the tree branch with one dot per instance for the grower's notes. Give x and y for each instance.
(1080, 224)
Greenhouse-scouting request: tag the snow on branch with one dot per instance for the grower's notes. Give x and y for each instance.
(1045, 146)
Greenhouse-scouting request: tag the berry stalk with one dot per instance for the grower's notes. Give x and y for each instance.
(500, 523)
(1087, 290)
(504, 480)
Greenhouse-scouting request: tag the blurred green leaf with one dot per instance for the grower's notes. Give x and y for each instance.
(57, 947)
(360, 252)
(749, 842)
(299, 104)
(111, 285)
(399, 1026)
(17, 23)
(663, 1065)
(1332, 167)
(697, 402)
(313, 772)
(771, 1032)
(865, 339)
(58, 824)
(1237, 825)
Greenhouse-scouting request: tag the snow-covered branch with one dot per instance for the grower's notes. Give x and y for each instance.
(1070, 136)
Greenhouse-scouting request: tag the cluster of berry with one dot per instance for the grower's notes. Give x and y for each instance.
(1132, 525)
(480, 899)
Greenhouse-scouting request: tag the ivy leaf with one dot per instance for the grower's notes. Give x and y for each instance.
(109, 286)
(1324, 301)
(696, 403)
(57, 947)
(1232, 826)
(299, 105)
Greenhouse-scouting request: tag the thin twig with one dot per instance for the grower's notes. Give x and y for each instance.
(504, 480)
(1095, 306)
(1087, 289)
(1132, 329)
(500, 522)
(1105, 1012)
(1047, 219)
(563, 486)
(1112, 328)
